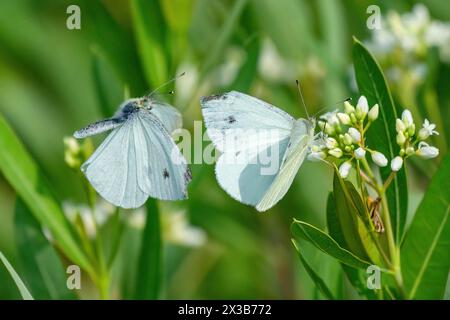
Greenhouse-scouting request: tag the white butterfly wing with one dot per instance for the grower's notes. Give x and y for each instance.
(302, 136)
(112, 169)
(168, 115)
(227, 116)
(166, 173)
(248, 131)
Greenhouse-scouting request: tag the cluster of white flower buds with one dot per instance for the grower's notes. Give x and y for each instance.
(75, 154)
(407, 139)
(343, 137)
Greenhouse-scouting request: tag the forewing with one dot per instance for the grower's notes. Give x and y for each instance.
(98, 127)
(233, 119)
(167, 171)
(112, 169)
(167, 115)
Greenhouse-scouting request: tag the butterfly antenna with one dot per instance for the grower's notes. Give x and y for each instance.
(299, 90)
(165, 84)
(339, 102)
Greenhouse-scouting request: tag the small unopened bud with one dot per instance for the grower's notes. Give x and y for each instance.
(347, 139)
(407, 118)
(379, 159)
(355, 134)
(400, 138)
(373, 113)
(396, 163)
(399, 125)
(409, 151)
(336, 152)
(423, 134)
(360, 153)
(331, 143)
(348, 108)
(344, 118)
(362, 107)
(411, 130)
(344, 169)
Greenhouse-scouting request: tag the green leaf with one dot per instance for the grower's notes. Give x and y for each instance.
(149, 265)
(325, 243)
(41, 266)
(19, 283)
(24, 176)
(381, 135)
(355, 276)
(353, 220)
(425, 254)
(149, 26)
(314, 276)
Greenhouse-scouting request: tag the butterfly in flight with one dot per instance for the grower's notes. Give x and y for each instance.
(247, 131)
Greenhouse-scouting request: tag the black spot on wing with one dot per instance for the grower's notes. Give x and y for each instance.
(230, 119)
(213, 97)
(187, 175)
(165, 174)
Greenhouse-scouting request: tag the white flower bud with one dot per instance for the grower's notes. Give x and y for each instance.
(360, 153)
(348, 140)
(373, 113)
(409, 151)
(362, 107)
(426, 151)
(407, 118)
(379, 159)
(331, 143)
(423, 134)
(399, 125)
(336, 152)
(316, 156)
(348, 107)
(344, 169)
(343, 118)
(401, 138)
(396, 163)
(355, 134)
(329, 130)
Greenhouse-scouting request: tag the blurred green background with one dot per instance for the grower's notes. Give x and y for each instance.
(54, 81)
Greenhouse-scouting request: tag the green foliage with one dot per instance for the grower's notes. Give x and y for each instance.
(23, 174)
(425, 251)
(19, 283)
(372, 84)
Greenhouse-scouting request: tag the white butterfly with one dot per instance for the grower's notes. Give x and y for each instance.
(245, 129)
(139, 158)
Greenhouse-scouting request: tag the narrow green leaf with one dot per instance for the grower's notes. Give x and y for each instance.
(41, 266)
(314, 276)
(381, 135)
(149, 266)
(149, 26)
(352, 218)
(325, 243)
(355, 276)
(223, 36)
(19, 283)
(425, 254)
(24, 176)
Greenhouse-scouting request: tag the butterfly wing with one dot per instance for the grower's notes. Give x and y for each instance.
(168, 115)
(166, 173)
(112, 169)
(248, 132)
(98, 127)
(302, 136)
